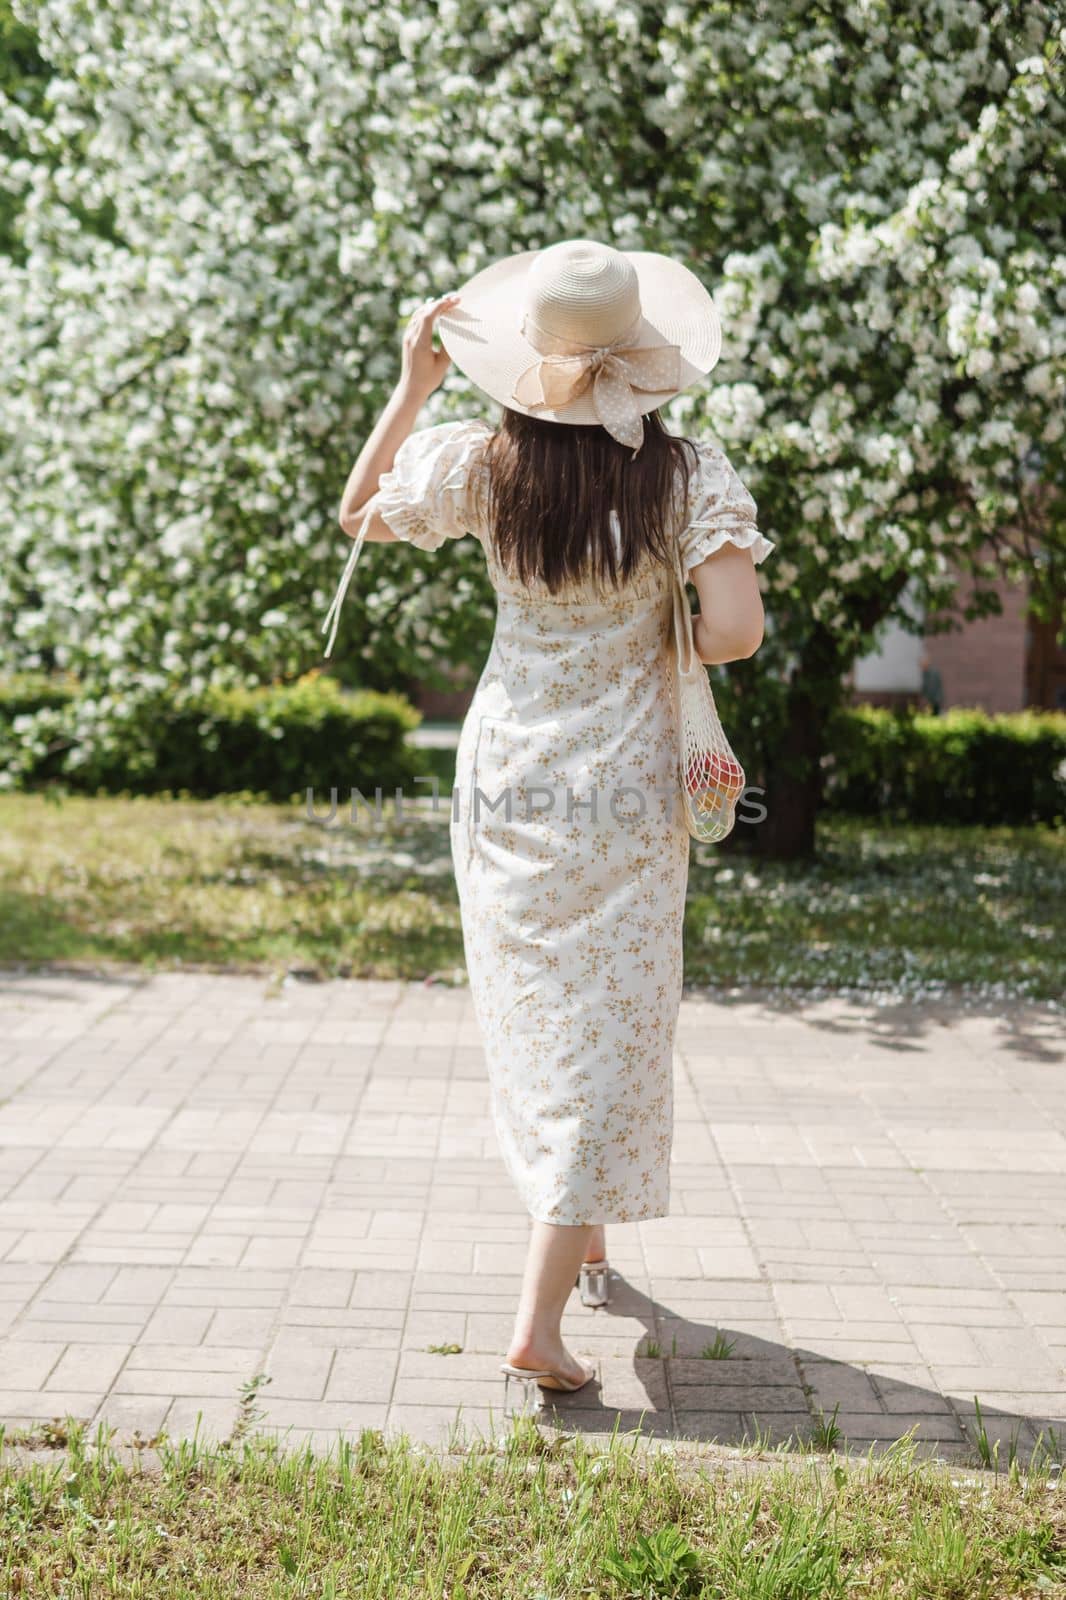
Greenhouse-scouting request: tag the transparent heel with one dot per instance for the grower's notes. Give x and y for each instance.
(520, 1395)
(593, 1281)
(532, 1378)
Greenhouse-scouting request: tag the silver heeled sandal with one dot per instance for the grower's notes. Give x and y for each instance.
(547, 1377)
(593, 1281)
(529, 1379)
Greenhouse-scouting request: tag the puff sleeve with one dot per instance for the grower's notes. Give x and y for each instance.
(720, 510)
(427, 495)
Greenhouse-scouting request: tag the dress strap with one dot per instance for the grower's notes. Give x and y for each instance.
(333, 614)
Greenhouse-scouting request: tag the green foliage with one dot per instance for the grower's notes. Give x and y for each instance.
(802, 1558)
(163, 880)
(23, 77)
(231, 210)
(25, 693)
(906, 908)
(488, 1519)
(963, 767)
(664, 1564)
(277, 741)
(825, 1435)
(33, 709)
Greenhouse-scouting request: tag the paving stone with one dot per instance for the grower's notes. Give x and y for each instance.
(464, 1364)
(79, 1285)
(41, 1405)
(448, 1391)
(203, 1416)
(181, 1383)
(916, 1397)
(299, 1372)
(237, 1327)
(485, 1330)
(166, 1325)
(730, 1373)
(88, 1366)
(198, 1185)
(319, 1286)
(967, 1380)
(424, 1328)
(442, 1425)
(27, 1364)
(192, 1358)
(364, 1375)
(1049, 1407)
(138, 1285)
(106, 1325)
(863, 1426)
(833, 1382)
(725, 1426)
(370, 1330)
(382, 1290)
(133, 1413)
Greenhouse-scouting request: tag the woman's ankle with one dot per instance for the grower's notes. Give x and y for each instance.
(536, 1349)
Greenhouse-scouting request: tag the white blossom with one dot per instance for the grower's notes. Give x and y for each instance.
(180, 402)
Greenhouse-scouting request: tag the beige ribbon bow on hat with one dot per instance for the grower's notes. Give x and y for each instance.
(565, 370)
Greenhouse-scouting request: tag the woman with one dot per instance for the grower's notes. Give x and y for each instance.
(570, 851)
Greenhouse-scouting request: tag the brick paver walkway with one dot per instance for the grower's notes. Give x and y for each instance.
(200, 1183)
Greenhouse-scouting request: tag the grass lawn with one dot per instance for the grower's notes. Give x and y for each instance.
(245, 885)
(527, 1514)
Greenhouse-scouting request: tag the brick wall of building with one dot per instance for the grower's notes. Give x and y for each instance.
(984, 663)
(445, 705)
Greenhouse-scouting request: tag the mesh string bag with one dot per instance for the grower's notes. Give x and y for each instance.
(710, 777)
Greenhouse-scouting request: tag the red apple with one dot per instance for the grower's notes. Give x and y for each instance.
(714, 778)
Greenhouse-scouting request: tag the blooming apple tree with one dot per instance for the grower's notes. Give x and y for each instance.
(229, 208)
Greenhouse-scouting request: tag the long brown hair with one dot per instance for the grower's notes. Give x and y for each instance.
(552, 486)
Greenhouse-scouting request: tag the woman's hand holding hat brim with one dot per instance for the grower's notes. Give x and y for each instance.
(425, 365)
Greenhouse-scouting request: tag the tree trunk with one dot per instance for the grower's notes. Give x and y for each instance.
(794, 767)
(794, 781)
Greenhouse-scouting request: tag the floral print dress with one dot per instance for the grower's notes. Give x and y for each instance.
(571, 855)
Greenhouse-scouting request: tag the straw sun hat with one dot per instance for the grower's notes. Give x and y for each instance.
(580, 332)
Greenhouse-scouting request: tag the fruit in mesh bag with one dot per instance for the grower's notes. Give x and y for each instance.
(714, 779)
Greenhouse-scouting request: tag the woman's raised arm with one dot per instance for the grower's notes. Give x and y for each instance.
(423, 370)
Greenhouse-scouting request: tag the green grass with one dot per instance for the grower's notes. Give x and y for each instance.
(244, 885)
(232, 883)
(530, 1512)
(898, 907)
(720, 1348)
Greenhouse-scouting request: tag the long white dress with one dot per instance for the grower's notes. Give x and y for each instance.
(572, 905)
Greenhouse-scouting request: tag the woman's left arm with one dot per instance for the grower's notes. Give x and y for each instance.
(423, 370)
(729, 624)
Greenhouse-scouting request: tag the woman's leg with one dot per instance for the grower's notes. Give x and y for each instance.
(556, 1251)
(596, 1248)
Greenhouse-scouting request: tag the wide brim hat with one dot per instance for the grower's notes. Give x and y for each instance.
(545, 320)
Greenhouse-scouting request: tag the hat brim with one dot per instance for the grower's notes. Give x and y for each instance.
(482, 333)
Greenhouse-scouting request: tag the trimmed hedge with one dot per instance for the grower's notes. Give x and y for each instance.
(278, 741)
(25, 693)
(962, 767)
(39, 759)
